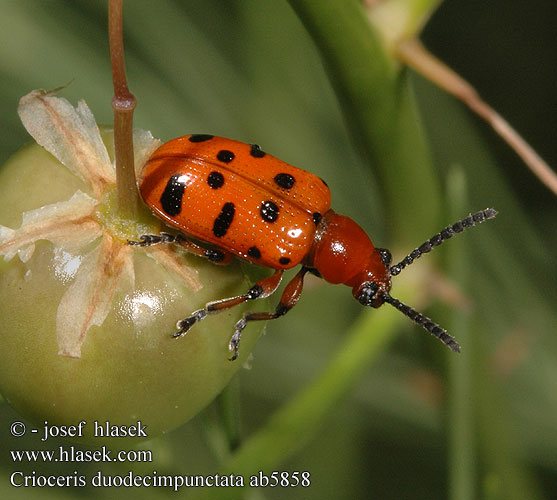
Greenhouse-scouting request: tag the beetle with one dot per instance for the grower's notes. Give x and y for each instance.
(246, 203)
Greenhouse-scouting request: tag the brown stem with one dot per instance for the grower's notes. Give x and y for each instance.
(415, 55)
(123, 104)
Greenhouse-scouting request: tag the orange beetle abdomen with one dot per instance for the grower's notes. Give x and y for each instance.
(237, 197)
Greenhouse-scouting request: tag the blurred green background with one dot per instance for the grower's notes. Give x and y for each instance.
(418, 423)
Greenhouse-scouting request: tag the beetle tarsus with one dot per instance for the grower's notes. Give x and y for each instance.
(234, 344)
(185, 324)
(146, 240)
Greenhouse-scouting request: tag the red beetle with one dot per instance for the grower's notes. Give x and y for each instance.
(246, 203)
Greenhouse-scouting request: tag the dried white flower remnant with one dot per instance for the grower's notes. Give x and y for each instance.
(72, 136)
(66, 223)
(93, 287)
(69, 134)
(167, 258)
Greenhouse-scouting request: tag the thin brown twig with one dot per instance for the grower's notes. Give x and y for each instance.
(415, 55)
(123, 104)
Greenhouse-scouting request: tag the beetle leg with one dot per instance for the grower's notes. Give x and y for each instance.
(216, 256)
(263, 288)
(289, 298)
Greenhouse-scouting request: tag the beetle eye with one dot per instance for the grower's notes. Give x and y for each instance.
(368, 293)
(385, 255)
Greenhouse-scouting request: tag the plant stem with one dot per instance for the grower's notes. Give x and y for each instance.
(303, 417)
(461, 428)
(229, 413)
(380, 111)
(221, 422)
(123, 104)
(416, 56)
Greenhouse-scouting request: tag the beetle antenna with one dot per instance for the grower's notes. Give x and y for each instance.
(424, 322)
(445, 234)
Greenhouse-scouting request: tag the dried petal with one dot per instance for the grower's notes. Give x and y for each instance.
(144, 145)
(70, 134)
(87, 301)
(66, 223)
(168, 258)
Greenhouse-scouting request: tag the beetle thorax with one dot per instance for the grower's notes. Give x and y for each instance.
(344, 253)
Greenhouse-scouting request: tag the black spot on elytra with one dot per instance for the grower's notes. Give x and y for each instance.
(215, 180)
(225, 156)
(223, 220)
(256, 151)
(200, 137)
(317, 218)
(285, 181)
(284, 261)
(269, 211)
(254, 252)
(171, 198)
